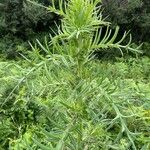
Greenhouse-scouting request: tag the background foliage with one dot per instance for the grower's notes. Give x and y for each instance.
(24, 20)
(131, 15)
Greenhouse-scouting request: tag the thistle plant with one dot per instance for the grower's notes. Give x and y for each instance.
(71, 51)
(82, 24)
(80, 32)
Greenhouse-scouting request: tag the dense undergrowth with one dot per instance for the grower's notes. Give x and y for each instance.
(60, 97)
(50, 105)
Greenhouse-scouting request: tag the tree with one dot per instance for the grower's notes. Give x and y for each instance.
(134, 15)
(14, 16)
(23, 18)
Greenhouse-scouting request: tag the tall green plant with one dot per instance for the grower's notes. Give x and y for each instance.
(79, 35)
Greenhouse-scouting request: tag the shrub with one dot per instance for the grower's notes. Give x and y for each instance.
(23, 18)
(22, 21)
(131, 15)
